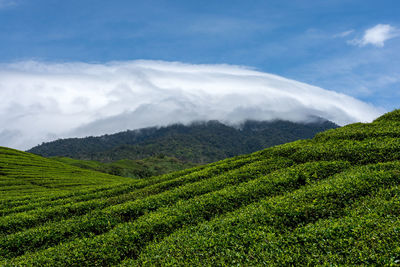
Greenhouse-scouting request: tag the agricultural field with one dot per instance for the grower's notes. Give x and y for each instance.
(332, 200)
(141, 168)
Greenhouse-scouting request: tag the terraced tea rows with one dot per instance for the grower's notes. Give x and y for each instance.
(330, 200)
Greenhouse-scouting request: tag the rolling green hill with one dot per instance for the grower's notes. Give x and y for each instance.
(142, 168)
(30, 175)
(332, 200)
(201, 142)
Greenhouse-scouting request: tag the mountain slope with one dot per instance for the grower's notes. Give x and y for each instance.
(27, 174)
(332, 200)
(201, 142)
(143, 168)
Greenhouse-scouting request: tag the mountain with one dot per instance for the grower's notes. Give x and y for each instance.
(332, 200)
(201, 142)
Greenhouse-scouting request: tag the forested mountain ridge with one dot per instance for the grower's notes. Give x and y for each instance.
(331, 200)
(200, 142)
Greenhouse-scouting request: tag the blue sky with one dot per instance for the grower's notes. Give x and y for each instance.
(296, 39)
(347, 46)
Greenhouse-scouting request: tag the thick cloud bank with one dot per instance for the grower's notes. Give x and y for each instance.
(44, 101)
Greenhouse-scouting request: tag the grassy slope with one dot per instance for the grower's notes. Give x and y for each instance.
(143, 168)
(330, 200)
(24, 174)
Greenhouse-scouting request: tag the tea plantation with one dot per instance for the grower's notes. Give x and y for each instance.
(332, 200)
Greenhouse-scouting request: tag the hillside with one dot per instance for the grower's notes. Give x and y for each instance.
(142, 168)
(332, 200)
(201, 142)
(27, 174)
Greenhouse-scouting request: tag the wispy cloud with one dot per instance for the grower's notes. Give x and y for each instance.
(377, 35)
(370, 74)
(43, 101)
(343, 34)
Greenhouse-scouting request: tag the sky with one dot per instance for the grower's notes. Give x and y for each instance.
(78, 68)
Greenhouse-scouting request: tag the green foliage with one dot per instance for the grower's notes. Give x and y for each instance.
(201, 142)
(271, 231)
(332, 200)
(393, 116)
(144, 168)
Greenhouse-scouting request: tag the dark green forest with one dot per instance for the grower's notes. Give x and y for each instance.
(201, 142)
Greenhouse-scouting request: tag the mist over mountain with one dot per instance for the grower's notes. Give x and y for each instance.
(75, 99)
(199, 142)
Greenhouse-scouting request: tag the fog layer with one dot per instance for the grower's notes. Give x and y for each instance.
(44, 101)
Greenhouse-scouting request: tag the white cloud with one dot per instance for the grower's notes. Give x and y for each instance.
(43, 101)
(377, 35)
(343, 34)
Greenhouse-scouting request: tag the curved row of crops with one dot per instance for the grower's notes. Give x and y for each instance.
(330, 200)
